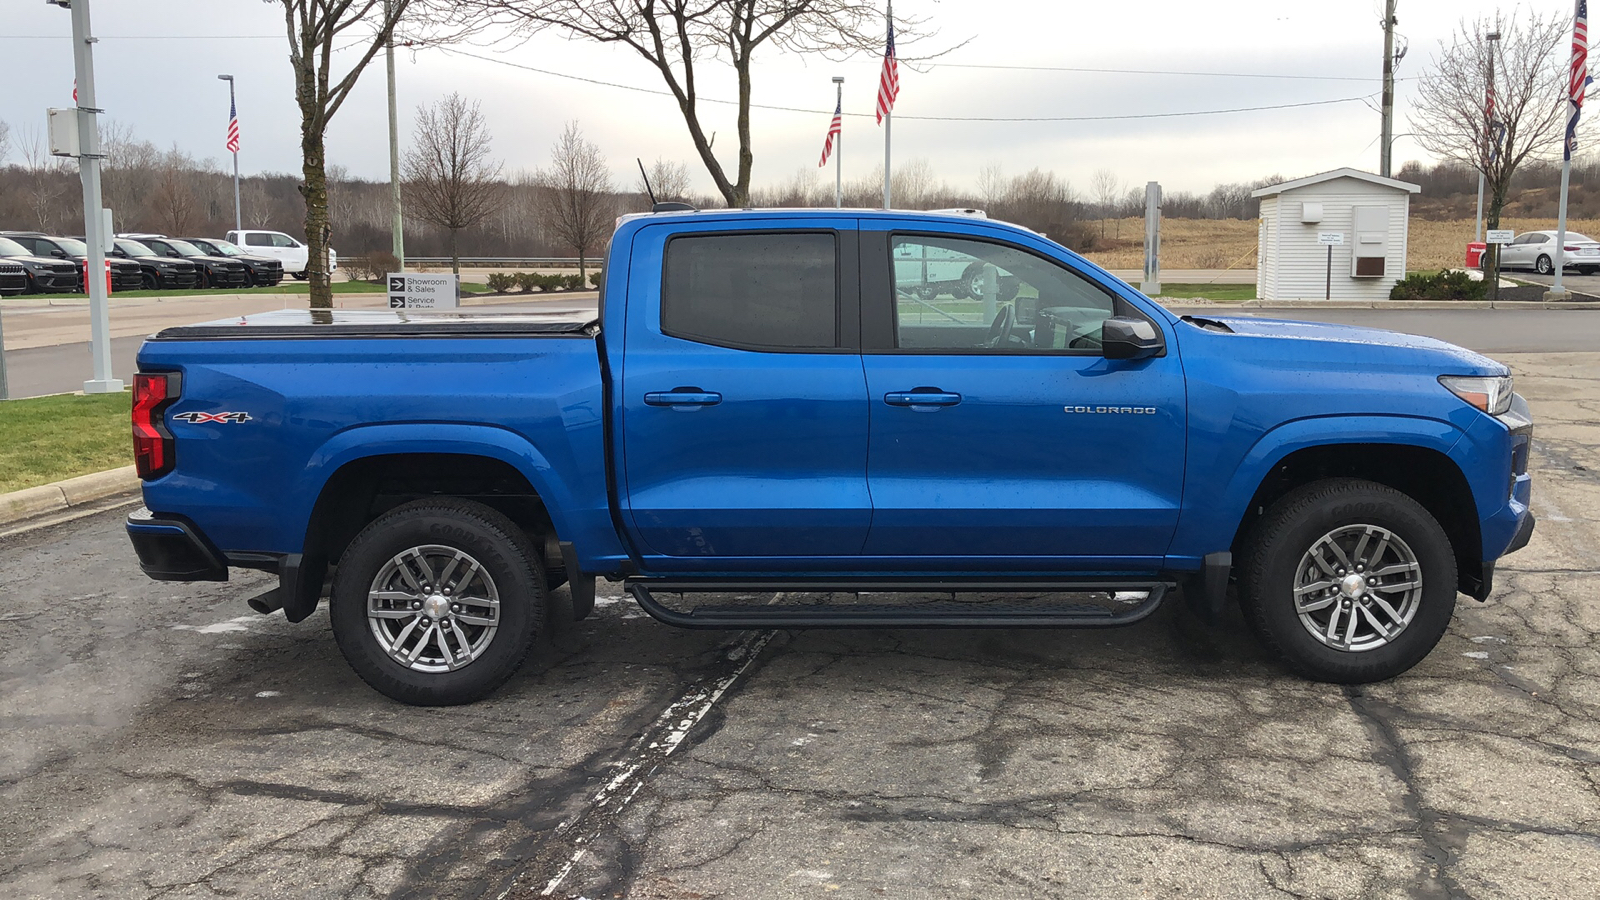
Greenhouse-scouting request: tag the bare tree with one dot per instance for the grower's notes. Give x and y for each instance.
(174, 196)
(45, 184)
(1449, 114)
(682, 37)
(992, 186)
(576, 192)
(1107, 189)
(316, 28)
(5, 142)
(668, 179)
(450, 179)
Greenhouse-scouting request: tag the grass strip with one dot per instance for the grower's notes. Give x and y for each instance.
(1234, 292)
(46, 439)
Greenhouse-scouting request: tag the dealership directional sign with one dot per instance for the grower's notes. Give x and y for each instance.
(422, 290)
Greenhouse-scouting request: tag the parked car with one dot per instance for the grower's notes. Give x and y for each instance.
(765, 405)
(43, 274)
(265, 271)
(159, 272)
(215, 271)
(1536, 250)
(125, 274)
(292, 253)
(13, 278)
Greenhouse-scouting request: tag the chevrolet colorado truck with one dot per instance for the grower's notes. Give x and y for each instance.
(775, 421)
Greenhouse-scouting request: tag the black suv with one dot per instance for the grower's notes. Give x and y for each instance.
(158, 271)
(13, 278)
(125, 274)
(215, 271)
(43, 274)
(264, 270)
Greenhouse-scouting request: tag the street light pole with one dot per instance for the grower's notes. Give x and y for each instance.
(397, 220)
(93, 222)
(233, 113)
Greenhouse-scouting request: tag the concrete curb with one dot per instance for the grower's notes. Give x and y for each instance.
(62, 495)
(1373, 304)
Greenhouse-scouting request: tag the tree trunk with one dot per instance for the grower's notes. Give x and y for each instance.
(583, 271)
(741, 190)
(455, 253)
(314, 188)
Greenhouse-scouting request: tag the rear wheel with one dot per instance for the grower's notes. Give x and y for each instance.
(1349, 581)
(438, 602)
(1588, 270)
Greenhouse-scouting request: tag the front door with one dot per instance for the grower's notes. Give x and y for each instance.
(1001, 437)
(744, 419)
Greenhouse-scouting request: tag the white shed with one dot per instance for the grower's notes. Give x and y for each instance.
(1370, 212)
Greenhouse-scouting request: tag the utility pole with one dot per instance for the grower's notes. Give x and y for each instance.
(233, 145)
(838, 151)
(1385, 159)
(397, 220)
(93, 219)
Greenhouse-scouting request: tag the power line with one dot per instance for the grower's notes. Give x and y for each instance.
(1274, 77)
(661, 93)
(147, 37)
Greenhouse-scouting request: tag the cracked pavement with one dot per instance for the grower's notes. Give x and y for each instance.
(161, 740)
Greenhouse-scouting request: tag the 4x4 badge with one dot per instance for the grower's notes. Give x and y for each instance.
(200, 418)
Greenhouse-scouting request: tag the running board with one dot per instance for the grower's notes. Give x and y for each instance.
(918, 614)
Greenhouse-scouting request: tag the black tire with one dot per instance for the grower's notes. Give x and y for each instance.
(1282, 539)
(510, 568)
(204, 281)
(150, 282)
(299, 276)
(1543, 265)
(1588, 270)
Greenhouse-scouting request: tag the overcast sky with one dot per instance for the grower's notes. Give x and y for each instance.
(158, 59)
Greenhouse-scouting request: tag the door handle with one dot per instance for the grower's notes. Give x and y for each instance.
(921, 398)
(683, 397)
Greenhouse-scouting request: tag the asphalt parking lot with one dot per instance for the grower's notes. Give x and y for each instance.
(162, 740)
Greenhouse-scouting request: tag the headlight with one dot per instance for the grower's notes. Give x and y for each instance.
(1491, 395)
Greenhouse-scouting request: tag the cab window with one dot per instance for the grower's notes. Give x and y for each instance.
(961, 295)
(753, 291)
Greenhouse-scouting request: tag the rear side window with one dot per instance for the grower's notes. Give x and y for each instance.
(754, 291)
(258, 240)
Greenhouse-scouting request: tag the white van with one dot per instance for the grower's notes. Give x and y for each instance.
(280, 246)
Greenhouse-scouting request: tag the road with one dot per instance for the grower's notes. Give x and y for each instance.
(1572, 281)
(161, 740)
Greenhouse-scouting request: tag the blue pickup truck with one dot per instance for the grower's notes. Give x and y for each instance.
(776, 421)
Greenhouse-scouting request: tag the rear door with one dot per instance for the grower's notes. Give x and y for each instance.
(1001, 437)
(744, 405)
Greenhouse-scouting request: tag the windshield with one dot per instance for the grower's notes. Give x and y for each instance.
(184, 248)
(134, 248)
(225, 248)
(8, 247)
(72, 247)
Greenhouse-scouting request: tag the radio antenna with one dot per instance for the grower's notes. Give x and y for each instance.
(646, 177)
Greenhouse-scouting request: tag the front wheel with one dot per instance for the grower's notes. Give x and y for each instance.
(1349, 581)
(438, 602)
(299, 276)
(1543, 265)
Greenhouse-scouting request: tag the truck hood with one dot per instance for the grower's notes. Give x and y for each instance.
(1360, 345)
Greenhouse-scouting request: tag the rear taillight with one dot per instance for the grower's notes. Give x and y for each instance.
(153, 392)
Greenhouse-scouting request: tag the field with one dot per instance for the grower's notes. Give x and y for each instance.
(1231, 243)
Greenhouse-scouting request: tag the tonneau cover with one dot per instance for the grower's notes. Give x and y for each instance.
(301, 324)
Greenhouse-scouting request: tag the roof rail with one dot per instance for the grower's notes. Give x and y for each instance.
(673, 206)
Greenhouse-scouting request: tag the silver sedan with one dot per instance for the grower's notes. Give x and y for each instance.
(1536, 250)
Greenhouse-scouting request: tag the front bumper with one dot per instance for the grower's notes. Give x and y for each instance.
(172, 549)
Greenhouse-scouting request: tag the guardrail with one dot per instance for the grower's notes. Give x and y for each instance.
(502, 262)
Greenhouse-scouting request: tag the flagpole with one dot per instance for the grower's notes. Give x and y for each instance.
(888, 119)
(1577, 80)
(233, 112)
(1561, 224)
(838, 150)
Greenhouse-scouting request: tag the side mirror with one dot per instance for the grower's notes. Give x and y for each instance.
(172, 253)
(59, 253)
(1127, 337)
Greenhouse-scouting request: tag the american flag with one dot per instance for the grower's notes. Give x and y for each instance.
(233, 127)
(889, 84)
(1579, 78)
(833, 132)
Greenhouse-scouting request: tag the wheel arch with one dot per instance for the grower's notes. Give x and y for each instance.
(1426, 474)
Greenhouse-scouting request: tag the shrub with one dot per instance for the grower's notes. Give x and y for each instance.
(500, 282)
(380, 264)
(528, 282)
(594, 278)
(1450, 284)
(572, 282)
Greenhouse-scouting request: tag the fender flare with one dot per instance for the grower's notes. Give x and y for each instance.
(1276, 444)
